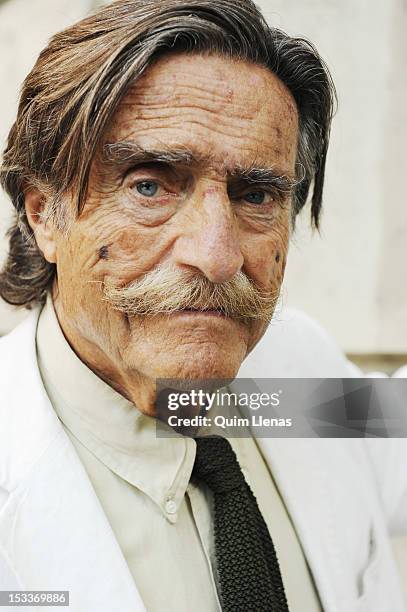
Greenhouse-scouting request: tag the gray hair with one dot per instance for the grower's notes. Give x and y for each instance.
(79, 79)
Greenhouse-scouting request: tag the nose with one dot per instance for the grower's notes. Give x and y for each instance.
(209, 240)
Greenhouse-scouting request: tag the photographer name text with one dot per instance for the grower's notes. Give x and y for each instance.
(255, 420)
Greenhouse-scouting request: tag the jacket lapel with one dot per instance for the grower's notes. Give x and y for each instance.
(299, 470)
(52, 527)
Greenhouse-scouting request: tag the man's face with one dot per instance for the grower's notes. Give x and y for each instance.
(205, 210)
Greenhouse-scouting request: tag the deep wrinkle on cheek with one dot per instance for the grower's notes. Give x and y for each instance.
(260, 222)
(130, 252)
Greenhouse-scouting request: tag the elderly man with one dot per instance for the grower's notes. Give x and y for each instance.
(158, 160)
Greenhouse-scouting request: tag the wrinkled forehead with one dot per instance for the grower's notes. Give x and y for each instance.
(226, 112)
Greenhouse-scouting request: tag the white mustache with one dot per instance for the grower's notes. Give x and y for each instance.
(167, 289)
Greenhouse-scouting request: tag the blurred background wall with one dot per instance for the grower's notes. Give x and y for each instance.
(351, 277)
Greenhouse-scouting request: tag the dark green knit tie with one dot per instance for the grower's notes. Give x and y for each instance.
(247, 566)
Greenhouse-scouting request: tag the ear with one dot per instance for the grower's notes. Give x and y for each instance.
(45, 233)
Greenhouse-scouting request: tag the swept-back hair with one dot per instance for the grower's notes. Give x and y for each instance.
(79, 79)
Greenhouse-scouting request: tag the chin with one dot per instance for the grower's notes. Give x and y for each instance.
(207, 372)
(204, 365)
(161, 349)
(199, 368)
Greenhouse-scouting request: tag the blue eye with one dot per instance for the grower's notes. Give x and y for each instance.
(147, 189)
(255, 197)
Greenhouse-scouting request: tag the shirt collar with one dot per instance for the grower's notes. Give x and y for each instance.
(109, 425)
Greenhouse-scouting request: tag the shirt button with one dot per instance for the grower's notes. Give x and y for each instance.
(170, 507)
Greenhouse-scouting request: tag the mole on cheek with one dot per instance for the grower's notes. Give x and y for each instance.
(104, 252)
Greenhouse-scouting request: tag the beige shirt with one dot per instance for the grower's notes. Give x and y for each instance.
(162, 521)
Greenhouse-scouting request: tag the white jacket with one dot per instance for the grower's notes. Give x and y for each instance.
(343, 497)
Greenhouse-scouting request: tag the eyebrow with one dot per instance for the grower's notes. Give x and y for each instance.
(127, 154)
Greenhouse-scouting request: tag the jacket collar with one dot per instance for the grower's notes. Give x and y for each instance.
(304, 484)
(51, 501)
